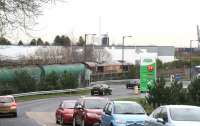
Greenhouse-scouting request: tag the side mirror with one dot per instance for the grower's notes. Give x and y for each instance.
(160, 120)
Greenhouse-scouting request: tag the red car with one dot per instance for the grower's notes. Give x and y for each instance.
(64, 113)
(88, 111)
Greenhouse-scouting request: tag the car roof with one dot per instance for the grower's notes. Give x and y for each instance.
(94, 98)
(180, 106)
(125, 102)
(69, 101)
(10, 96)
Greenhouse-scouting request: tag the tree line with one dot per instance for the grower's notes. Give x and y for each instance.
(58, 41)
(174, 94)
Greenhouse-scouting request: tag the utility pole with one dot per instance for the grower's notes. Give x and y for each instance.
(123, 39)
(123, 47)
(191, 57)
(85, 47)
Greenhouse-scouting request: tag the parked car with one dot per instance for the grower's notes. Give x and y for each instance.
(8, 106)
(101, 89)
(132, 83)
(174, 115)
(88, 110)
(123, 113)
(64, 113)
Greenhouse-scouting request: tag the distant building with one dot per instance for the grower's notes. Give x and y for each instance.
(105, 40)
(133, 54)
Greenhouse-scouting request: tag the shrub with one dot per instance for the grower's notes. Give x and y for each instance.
(6, 88)
(194, 91)
(160, 94)
(50, 82)
(23, 82)
(68, 80)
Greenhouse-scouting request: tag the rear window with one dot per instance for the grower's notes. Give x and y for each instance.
(185, 114)
(128, 108)
(95, 103)
(6, 99)
(68, 104)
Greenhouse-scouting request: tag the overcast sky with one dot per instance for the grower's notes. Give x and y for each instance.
(150, 22)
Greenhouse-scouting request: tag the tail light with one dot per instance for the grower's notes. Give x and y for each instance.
(13, 105)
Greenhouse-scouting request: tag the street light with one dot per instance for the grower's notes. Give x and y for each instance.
(128, 36)
(123, 46)
(191, 57)
(86, 44)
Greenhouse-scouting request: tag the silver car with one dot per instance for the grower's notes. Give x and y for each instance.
(174, 115)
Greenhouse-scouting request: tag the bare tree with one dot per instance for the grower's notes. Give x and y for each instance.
(19, 14)
(102, 55)
(53, 54)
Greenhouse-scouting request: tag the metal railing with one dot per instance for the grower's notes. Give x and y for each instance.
(50, 92)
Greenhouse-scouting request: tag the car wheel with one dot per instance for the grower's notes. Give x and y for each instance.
(83, 122)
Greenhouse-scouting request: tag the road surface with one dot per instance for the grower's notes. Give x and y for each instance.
(41, 112)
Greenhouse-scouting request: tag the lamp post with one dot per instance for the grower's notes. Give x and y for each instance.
(123, 39)
(86, 45)
(191, 57)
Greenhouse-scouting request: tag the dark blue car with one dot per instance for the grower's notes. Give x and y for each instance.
(123, 113)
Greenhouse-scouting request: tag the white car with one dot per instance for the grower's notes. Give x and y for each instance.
(174, 115)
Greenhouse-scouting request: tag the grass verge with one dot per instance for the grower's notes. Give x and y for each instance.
(36, 97)
(148, 108)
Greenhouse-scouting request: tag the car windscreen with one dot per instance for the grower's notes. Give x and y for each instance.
(68, 104)
(185, 114)
(6, 99)
(128, 108)
(95, 103)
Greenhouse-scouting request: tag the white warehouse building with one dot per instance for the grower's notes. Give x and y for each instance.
(132, 54)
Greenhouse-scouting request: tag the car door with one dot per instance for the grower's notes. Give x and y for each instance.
(164, 116)
(162, 113)
(107, 117)
(153, 118)
(59, 111)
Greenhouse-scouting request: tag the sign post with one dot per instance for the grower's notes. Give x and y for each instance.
(147, 73)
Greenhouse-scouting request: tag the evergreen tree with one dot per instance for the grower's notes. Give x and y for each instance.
(33, 42)
(4, 41)
(20, 43)
(81, 41)
(40, 42)
(46, 43)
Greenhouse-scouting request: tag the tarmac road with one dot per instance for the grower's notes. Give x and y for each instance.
(41, 112)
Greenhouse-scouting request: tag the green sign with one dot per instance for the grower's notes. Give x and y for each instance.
(147, 73)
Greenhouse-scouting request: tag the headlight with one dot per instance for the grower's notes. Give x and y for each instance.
(120, 121)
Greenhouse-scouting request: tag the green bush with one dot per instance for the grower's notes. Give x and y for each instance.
(23, 82)
(50, 82)
(194, 92)
(157, 93)
(6, 88)
(68, 80)
(160, 94)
